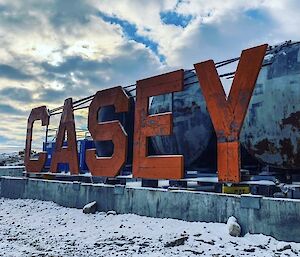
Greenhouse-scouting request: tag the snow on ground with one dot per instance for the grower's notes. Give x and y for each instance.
(37, 228)
(11, 159)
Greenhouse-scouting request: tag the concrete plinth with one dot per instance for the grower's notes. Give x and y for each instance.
(15, 171)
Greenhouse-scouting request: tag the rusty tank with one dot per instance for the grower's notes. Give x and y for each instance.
(192, 126)
(271, 129)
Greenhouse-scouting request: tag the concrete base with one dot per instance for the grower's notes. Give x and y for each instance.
(15, 171)
(279, 218)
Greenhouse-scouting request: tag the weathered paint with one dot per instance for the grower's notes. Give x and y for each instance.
(39, 113)
(228, 114)
(271, 131)
(146, 125)
(61, 153)
(192, 126)
(108, 113)
(111, 130)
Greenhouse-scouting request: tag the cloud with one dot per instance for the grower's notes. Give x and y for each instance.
(189, 31)
(12, 73)
(50, 95)
(15, 93)
(81, 74)
(68, 12)
(131, 32)
(6, 109)
(71, 64)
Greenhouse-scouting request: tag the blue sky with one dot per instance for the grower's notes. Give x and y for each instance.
(54, 49)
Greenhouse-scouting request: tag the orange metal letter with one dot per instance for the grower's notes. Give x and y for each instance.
(39, 113)
(67, 154)
(111, 130)
(155, 167)
(228, 114)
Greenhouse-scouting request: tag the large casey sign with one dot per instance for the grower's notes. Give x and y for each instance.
(227, 116)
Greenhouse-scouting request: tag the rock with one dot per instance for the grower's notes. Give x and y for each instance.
(211, 242)
(111, 213)
(177, 241)
(282, 246)
(263, 247)
(97, 244)
(250, 250)
(90, 208)
(231, 219)
(197, 253)
(233, 227)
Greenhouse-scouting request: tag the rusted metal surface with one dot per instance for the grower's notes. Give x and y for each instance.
(228, 114)
(32, 165)
(110, 130)
(271, 131)
(192, 126)
(229, 160)
(108, 113)
(61, 153)
(155, 167)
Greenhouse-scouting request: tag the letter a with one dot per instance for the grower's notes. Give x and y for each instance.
(67, 154)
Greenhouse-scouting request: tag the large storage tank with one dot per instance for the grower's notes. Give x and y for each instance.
(192, 126)
(271, 131)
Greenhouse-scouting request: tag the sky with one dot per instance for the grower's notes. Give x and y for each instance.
(55, 49)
